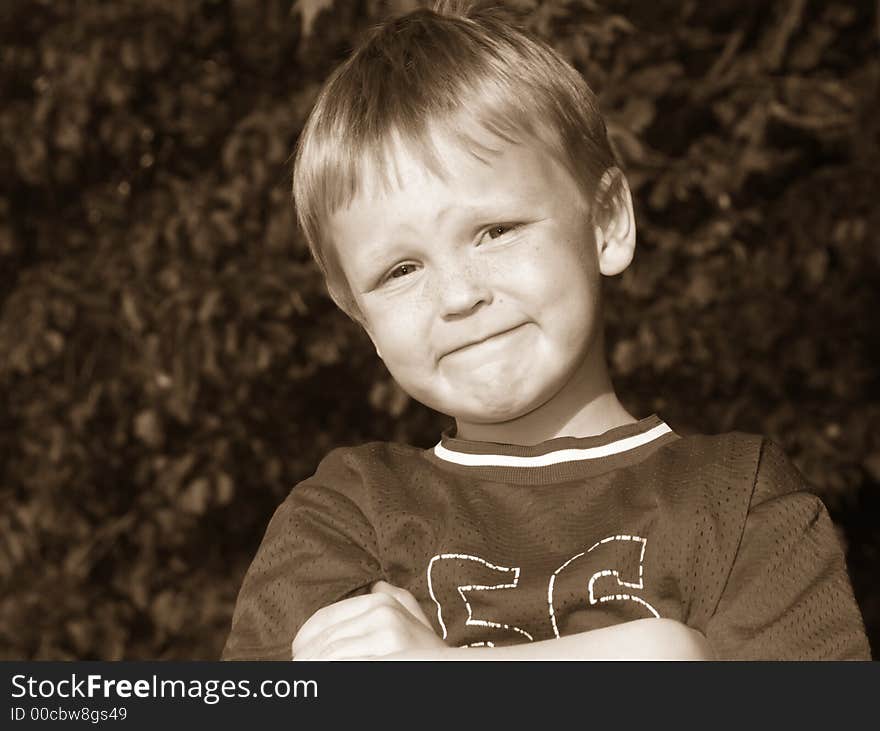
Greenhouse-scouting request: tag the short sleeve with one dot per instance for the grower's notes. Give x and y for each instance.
(318, 548)
(788, 595)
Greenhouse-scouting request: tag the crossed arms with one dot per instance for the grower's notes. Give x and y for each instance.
(388, 624)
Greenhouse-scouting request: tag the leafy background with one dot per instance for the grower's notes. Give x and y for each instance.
(170, 364)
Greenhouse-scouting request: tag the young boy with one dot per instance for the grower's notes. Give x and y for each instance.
(457, 188)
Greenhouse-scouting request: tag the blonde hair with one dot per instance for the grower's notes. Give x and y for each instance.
(429, 70)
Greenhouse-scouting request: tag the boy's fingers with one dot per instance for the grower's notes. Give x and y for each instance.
(372, 623)
(311, 645)
(345, 648)
(405, 598)
(331, 615)
(318, 627)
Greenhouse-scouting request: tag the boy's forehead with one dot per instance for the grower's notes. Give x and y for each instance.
(443, 152)
(412, 188)
(436, 152)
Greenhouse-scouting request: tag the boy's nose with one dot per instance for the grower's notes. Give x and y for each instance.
(462, 289)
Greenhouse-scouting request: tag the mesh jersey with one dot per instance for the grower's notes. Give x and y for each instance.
(502, 544)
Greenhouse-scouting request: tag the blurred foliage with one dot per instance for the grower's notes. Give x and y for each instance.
(170, 364)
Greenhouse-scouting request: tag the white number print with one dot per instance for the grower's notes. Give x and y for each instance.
(615, 542)
(459, 565)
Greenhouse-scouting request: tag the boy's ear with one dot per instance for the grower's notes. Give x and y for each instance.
(370, 336)
(614, 223)
(347, 304)
(355, 315)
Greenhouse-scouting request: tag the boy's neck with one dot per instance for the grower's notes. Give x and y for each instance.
(586, 407)
(597, 417)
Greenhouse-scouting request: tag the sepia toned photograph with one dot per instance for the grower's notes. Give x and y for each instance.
(439, 330)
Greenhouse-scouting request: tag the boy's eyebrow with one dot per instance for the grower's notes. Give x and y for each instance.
(483, 210)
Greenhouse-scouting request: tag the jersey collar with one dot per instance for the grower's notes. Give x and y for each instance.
(555, 459)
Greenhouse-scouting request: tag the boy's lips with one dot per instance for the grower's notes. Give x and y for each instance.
(479, 341)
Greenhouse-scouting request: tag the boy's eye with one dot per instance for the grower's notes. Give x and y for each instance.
(401, 270)
(498, 230)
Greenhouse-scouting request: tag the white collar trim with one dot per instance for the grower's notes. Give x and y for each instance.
(551, 458)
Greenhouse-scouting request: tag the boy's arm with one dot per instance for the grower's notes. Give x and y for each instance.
(642, 639)
(788, 594)
(318, 549)
(393, 627)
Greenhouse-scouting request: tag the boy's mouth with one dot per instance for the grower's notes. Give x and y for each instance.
(481, 340)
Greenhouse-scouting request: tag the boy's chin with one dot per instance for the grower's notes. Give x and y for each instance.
(497, 412)
(486, 402)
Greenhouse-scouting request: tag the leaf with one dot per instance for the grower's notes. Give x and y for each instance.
(130, 311)
(148, 428)
(701, 289)
(309, 11)
(195, 498)
(224, 488)
(816, 266)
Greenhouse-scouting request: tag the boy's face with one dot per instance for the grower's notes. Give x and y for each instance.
(480, 291)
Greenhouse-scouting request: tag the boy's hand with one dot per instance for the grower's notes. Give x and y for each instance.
(404, 597)
(384, 622)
